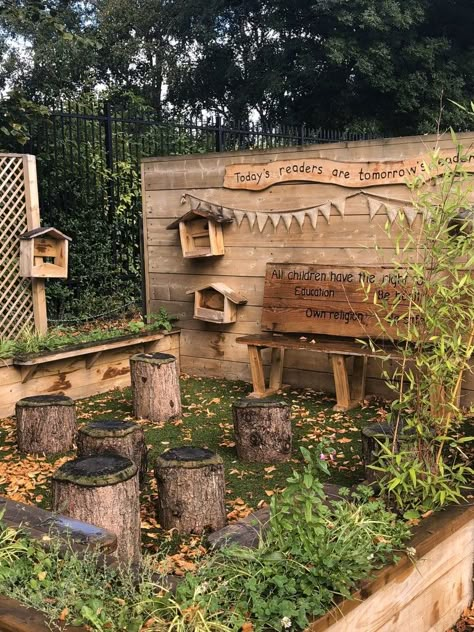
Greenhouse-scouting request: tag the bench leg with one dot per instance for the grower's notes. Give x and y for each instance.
(359, 375)
(341, 380)
(256, 369)
(276, 369)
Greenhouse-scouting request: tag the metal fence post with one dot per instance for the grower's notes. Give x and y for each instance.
(109, 158)
(219, 134)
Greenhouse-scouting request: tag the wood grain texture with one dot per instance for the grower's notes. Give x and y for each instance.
(353, 239)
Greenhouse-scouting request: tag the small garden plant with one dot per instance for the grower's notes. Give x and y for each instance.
(57, 337)
(426, 467)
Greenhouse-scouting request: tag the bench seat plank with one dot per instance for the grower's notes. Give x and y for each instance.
(339, 349)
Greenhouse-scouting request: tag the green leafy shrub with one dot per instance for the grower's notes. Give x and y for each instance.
(425, 467)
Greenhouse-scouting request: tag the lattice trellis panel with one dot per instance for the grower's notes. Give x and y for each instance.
(16, 295)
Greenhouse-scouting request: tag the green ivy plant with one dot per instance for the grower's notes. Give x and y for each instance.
(425, 467)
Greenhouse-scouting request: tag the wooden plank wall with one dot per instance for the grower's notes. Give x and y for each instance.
(211, 349)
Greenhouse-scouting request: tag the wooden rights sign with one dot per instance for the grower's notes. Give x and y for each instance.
(323, 299)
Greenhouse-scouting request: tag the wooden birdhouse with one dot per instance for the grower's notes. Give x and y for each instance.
(44, 254)
(200, 232)
(216, 303)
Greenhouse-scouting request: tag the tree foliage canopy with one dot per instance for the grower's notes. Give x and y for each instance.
(388, 66)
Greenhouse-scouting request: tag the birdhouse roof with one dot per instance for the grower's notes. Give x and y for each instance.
(213, 214)
(228, 292)
(44, 231)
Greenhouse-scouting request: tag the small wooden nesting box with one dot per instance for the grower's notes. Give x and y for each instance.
(200, 232)
(216, 303)
(44, 254)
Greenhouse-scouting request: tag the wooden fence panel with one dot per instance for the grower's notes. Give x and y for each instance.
(22, 302)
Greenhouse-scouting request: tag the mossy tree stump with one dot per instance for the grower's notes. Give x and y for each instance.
(103, 490)
(262, 430)
(45, 423)
(191, 490)
(372, 436)
(113, 436)
(155, 386)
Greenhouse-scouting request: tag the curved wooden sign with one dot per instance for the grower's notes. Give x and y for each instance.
(256, 177)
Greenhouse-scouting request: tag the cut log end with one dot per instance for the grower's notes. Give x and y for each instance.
(37, 401)
(188, 457)
(96, 471)
(154, 358)
(109, 428)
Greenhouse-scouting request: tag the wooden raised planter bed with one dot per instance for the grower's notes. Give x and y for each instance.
(78, 370)
(426, 596)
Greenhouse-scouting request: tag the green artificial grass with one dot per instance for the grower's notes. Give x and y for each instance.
(206, 422)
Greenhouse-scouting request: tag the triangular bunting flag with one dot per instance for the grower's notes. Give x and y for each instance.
(239, 217)
(228, 212)
(183, 199)
(287, 219)
(251, 217)
(275, 218)
(300, 218)
(410, 214)
(261, 221)
(313, 216)
(374, 207)
(340, 206)
(326, 210)
(392, 213)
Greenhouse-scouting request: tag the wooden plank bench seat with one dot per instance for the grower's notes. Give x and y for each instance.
(332, 306)
(349, 393)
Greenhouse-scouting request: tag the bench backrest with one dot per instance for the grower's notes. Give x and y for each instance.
(328, 299)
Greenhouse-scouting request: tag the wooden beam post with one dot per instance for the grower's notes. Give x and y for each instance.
(341, 380)
(256, 369)
(33, 221)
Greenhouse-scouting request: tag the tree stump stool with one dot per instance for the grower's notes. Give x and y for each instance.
(191, 490)
(155, 386)
(113, 436)
(45, 423)
(372, 436)
(262, 430)
(103, 490)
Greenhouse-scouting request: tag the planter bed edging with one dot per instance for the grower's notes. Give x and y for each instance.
(75, 375)
(427, 595)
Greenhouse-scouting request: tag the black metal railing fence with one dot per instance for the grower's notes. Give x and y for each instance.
(88, 161)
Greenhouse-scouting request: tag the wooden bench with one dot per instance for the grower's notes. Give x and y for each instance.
(328, 310)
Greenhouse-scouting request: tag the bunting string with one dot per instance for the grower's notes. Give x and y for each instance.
(392, 207)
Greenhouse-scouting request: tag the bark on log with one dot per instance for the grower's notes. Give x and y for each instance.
(45, 424)
(372, 436)
(103, 490)
(113, 436)
(262, 429)
(191, 490)
(155, 386)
